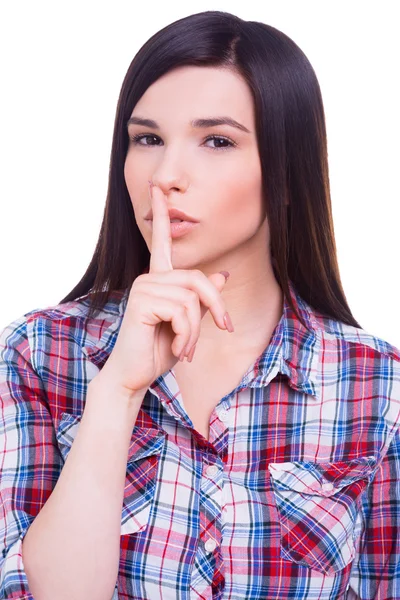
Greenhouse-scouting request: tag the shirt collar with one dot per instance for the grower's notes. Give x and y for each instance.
(300, 345)
(294, 350)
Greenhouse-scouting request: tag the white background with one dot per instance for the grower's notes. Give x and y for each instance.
(62, 68)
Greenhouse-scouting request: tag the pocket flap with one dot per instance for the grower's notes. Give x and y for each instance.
(323, 479)
(318, 508)
(145, 441)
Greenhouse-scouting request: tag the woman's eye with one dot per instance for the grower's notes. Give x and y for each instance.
(218, 138)
(136, 139)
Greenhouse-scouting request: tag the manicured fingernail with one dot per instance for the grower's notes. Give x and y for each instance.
(228, 323)
(225, 274)
(190, 356)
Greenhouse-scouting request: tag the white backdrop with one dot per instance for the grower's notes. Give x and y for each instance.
(62, 67)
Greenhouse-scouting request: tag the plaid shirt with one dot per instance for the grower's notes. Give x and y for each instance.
(294, 496)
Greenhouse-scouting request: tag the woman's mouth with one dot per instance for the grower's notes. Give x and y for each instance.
(178, 227)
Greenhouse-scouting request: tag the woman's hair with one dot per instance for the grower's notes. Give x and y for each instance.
(292, 144)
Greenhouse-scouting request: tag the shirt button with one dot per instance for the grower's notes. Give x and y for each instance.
(210, 545)
(212, 470)
(223, 415)
(327, 487)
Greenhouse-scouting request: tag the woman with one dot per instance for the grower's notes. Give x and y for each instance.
(267, 464)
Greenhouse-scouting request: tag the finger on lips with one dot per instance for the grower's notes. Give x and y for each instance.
(161, 263)
(161, 242)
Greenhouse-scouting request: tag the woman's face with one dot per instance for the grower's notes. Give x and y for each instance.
(216, 181)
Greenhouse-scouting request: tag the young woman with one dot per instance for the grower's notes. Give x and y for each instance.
(267, 464)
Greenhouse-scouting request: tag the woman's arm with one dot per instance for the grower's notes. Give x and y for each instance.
(70, 549)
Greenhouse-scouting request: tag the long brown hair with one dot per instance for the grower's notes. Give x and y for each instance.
(292, 143)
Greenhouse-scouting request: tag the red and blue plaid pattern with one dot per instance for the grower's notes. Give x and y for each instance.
(296, 495)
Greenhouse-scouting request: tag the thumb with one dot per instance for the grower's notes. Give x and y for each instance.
(219, 279)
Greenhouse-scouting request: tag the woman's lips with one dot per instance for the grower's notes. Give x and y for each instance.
(178, 229)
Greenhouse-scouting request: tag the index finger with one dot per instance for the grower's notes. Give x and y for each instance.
(161, 241)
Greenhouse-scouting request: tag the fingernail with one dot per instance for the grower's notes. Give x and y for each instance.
(228, 323)
(225, 274)
(190, 357)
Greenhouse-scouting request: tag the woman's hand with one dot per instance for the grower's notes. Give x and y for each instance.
(163, 313)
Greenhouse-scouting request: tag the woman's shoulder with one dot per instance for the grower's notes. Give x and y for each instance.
(341, 334)
(49, 355)
(355, 361)
(53, 342)
(65, 318)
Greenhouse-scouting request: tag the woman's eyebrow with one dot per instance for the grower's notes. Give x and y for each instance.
(210, 122)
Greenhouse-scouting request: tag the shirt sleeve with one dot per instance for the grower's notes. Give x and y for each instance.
(376, 570)
(30, 461)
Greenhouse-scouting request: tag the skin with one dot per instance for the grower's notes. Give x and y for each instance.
(221, 188)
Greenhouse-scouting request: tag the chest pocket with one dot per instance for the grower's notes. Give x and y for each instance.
(318, 507)
(141, 470)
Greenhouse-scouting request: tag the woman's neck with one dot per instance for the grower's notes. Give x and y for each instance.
(255, 307)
